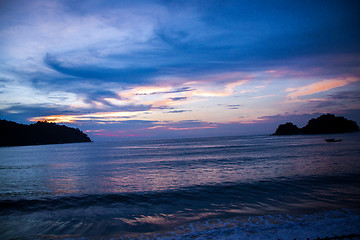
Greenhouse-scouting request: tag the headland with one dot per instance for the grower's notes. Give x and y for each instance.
(15, 134)
(325, 124)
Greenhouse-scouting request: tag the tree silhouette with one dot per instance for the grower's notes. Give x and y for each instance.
(15, 134)
(326, 123)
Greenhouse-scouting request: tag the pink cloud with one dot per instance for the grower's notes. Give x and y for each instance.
(180, 126)
(317, 87)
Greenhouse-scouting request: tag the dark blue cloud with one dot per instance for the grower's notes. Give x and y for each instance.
(231, 35)
(177, 90)
(178, 98)
(353, 96)
(249, 34)
(100, 94)
(178, 111)
(125, 75)
(21, 113)
(233, 106)
(339, 100)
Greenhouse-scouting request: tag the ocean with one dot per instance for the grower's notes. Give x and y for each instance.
(243, 187)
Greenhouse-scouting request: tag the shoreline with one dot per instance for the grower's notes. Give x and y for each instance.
(314, 226)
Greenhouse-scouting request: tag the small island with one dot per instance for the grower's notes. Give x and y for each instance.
(15, 134)
(325, 124)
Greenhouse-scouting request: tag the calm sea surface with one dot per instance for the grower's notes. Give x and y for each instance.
(252, 187)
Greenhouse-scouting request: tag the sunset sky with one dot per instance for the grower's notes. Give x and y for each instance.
(168, 69)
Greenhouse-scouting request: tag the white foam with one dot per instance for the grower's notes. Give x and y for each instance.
(312, 226)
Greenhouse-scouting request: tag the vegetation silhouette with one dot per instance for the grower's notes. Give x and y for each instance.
(324, 124)
(15, 134)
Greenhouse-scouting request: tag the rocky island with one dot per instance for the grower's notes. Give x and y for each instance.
(15, 134)
(324, 124)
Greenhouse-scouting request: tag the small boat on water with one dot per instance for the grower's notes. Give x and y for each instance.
(332, 140)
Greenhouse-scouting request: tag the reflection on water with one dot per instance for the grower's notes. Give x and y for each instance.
(125, 188)
(162, 165)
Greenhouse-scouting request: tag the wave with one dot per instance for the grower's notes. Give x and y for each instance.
(321, 226)
(320, 192)
(324, 225)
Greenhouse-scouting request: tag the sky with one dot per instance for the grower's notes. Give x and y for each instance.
(174, 69)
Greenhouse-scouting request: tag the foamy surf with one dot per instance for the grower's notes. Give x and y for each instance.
(330, 224)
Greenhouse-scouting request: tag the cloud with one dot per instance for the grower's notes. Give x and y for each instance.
(178, 98)
(122, 61)
(343, 100)
(152, 90)
(181, 91)
(353, 96)
(179, 111)
(233, 106)
(184, 126)
(265, 96)
(21, 113)
(318, 87)
(125, 75)
(97, 116)
(227, 91)
(132, 43)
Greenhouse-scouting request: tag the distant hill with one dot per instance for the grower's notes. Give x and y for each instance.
(15, 134)
(324, 124)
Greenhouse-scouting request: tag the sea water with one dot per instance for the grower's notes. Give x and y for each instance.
(246, 187)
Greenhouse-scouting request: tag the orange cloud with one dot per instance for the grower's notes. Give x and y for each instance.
(101, 116)
(158, 96)
(317, 87)
(55, 119)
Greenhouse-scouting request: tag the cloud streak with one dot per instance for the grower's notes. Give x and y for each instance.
(321, 86)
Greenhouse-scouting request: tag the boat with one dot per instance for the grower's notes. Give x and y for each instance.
(332, 140)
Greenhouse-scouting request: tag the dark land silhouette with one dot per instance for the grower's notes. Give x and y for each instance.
(324, 124)
(15, 134)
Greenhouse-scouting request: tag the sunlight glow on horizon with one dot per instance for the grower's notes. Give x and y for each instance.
(172, 104)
